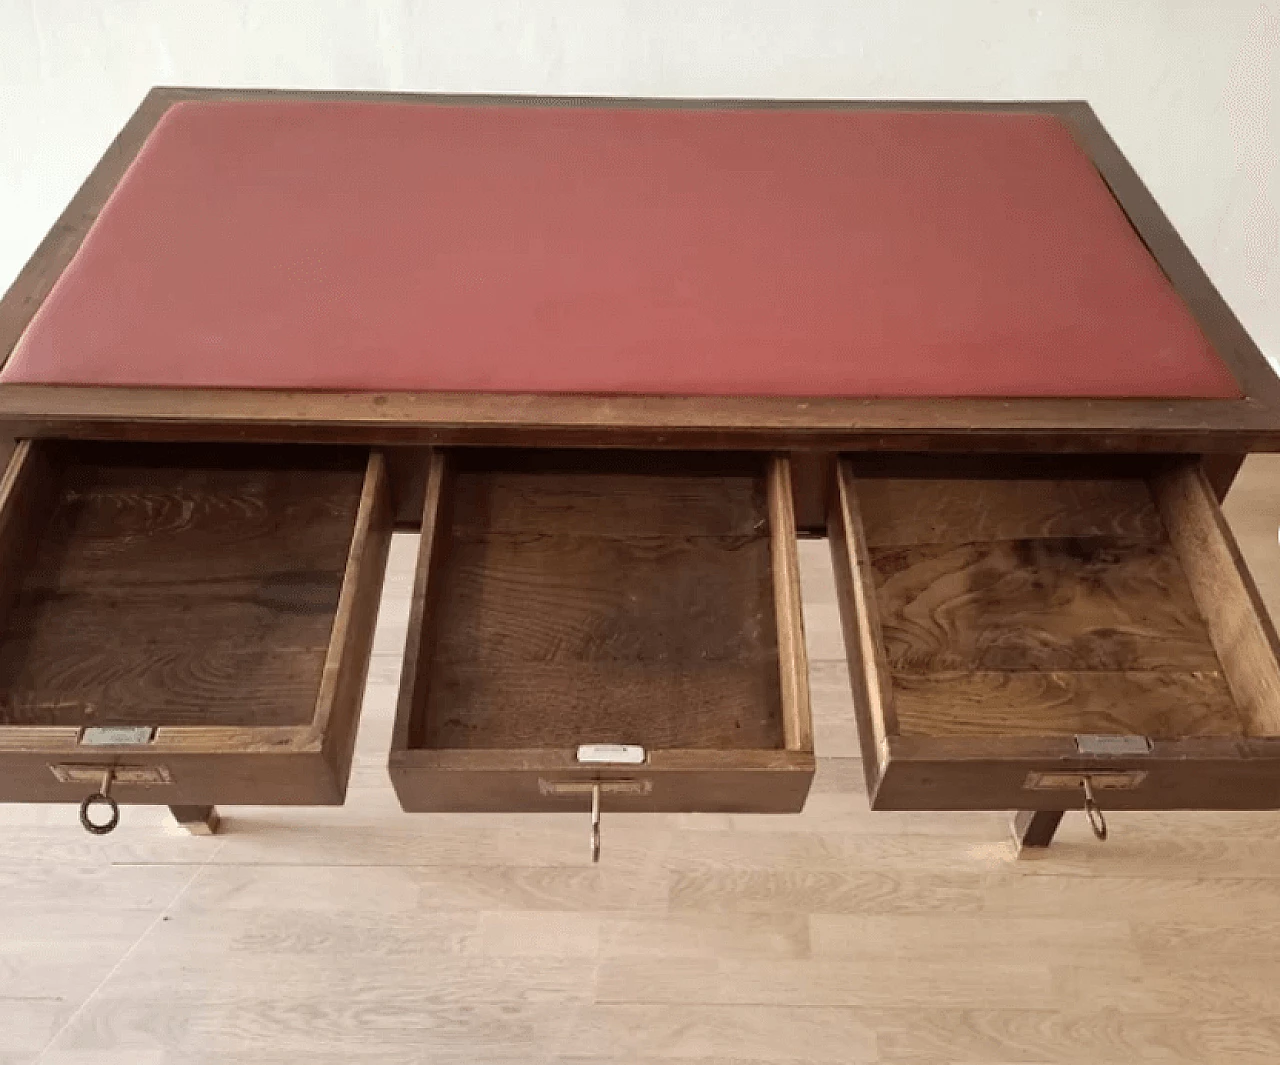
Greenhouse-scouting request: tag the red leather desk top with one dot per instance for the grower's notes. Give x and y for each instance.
(384, 247)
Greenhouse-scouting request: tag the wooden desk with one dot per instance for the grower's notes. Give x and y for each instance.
(610, 357)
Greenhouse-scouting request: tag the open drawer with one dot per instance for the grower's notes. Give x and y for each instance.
(605, 598)
(1014, 625)
(198, 617)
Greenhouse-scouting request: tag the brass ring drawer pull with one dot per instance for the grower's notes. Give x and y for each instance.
(1090, 783)
(595, 823)
(101, 797)
(106, 777)
(1093, 811)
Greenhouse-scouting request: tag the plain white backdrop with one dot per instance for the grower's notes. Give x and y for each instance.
(1189, 88)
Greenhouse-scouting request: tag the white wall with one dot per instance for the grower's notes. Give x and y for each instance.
(1188, 89)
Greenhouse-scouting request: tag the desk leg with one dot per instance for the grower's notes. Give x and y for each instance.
(1035, 828)
(198, 820)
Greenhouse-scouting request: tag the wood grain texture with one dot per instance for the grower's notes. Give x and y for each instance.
(1084, 603)
(1238, 622)
(793, 664)
(27, 489)
(869, 675)
(1160, 704)
(284, 773)
(624, 622)
(994, 773)
(722, 423)
(433, 544)
(528, 493)
(630, 620)
(200, 590)
(346, 663)
(730, 782)
(513, 705)
(945, 510)
(764, 423)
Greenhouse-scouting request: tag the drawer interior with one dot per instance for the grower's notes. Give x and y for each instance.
(171, 584)
(575, 597)
(1050, 597)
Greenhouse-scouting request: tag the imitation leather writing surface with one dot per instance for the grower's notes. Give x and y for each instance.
(383, 247)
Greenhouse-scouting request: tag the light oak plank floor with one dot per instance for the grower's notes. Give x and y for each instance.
(363, 934)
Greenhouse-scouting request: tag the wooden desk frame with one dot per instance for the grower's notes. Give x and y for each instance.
(813, 430)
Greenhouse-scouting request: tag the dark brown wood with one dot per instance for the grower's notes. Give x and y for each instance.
(515, 704)
(678, 781)
(346, 663)
(168, 590)
(607, 495)
(591, 604)
(1196, 773)
(813, 477)
(602, 607)
(1198, 426)
(1161, 703)
(869, 676)
(977, 661)
(1034, 829)
(207, 766)
(784, 579)
(222, 595)
(198, 820)
(969, 507)
(1060, 604)
(27, 493)
(437, 520)
(710, 423)
(1237, 619)
(1221, 470)
(604, 597)
(407, 481)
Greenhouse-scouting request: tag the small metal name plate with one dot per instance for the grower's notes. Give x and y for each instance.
(1121, 780)
(117, 735)
(611, 754)
(585, 787)
(1113, 745)
(131, 775)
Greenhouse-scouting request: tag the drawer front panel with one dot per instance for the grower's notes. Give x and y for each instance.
(514, 790)
(1205, 782)
(296, 778)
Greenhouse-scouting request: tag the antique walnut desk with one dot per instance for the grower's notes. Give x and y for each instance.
(611, 357)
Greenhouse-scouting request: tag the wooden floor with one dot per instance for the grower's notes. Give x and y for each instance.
(362, 934)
